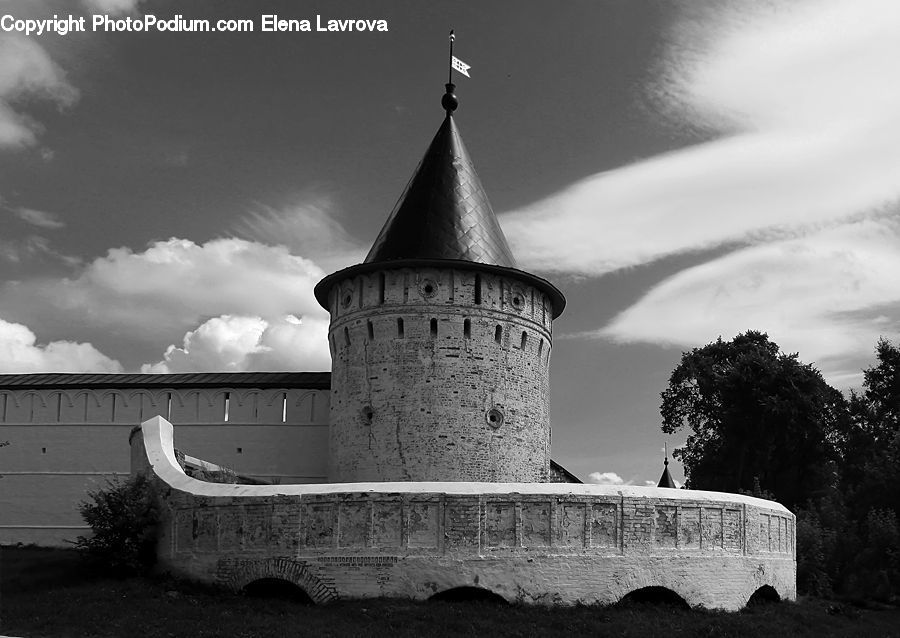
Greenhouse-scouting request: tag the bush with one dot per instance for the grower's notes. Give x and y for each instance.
(123, 517)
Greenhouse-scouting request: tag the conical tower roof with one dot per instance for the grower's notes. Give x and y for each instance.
(444, 212)
(443, 219)
(666, 479)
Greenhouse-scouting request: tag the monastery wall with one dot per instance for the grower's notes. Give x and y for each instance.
(64, 443)
(439, 374)
(525, 542)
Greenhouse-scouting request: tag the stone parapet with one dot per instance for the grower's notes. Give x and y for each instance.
(527, 542)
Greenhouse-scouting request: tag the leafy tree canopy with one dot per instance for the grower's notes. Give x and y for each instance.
(756, 418)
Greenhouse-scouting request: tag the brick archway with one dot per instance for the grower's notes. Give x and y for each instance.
(240, 573)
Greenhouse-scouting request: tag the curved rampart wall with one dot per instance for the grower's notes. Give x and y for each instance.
(439, 374)
(562, 543)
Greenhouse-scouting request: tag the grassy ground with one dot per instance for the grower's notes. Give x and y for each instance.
(47, 592)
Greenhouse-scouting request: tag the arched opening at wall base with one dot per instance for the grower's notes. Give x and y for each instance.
(765, 595)
(469, 594)
(277, 589)
(654, 596)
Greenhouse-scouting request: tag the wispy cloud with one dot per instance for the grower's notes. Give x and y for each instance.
(39, 218)
(33, 247)
(800, 181)
(307, 228)
(27, 72)
(112, 7)
(804, 96)
(827, 296)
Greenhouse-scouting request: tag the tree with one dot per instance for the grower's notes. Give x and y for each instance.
(123, 518)
(754, 413)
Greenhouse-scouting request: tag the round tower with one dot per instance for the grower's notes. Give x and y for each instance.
(440, 346)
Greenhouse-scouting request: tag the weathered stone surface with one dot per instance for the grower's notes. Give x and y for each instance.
(527, 542)
(433, 381)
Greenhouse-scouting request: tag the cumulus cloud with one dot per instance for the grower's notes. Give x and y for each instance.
(198, 297)
(174, 283)
(236, 344)
(606, 478)
(27, 72)
(20, 353)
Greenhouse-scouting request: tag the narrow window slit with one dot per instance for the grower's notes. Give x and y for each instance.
(227, 406)
(524, 339)
(168, 406)
(381, 287)
(371, 330)
(434, 327)
(540, 348)
(467, 328)
(477, 288)
(346, 336)
(284, 407)
(399, 327)
(498, 334)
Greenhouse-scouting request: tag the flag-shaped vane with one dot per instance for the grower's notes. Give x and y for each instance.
(456, 63)
(460, 66)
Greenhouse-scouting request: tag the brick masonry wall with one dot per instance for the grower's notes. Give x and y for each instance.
(553, 543)
(439, 374)
(525, 547)
(66, 442)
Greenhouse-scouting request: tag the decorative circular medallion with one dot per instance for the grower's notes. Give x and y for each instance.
(517, 299)
(428, 288)
(346, 298)
(494, 418)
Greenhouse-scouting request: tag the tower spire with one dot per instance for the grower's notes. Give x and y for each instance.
(666, 479)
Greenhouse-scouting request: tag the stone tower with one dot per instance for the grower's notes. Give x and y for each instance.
(440, 346)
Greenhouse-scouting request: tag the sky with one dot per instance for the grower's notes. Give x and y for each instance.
(681, 170)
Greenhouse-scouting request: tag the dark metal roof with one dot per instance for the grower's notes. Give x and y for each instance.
(312, 380)
(559, 468)
(666, 479)
(444, 212)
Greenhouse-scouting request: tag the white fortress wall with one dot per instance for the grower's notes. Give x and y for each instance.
(66, 441)
(528, 542)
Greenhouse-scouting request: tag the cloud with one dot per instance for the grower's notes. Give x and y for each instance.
(38, 218)
(803, 98)
(828, 296)
(112, 7)
(20, 353)
(30, 248)
(605, 478)
(154, 297)
(235, 344)
(27, 72)
(307, 228)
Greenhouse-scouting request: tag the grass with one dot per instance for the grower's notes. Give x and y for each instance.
(50, 592)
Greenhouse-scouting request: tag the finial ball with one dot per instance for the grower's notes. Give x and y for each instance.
(449, 101)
